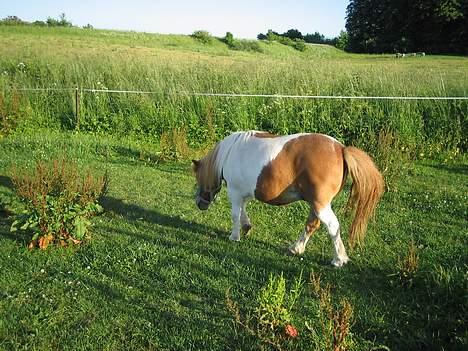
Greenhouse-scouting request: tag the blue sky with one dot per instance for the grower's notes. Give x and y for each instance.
(245, 19)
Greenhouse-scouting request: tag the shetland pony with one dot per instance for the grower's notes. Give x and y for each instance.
(279, 170)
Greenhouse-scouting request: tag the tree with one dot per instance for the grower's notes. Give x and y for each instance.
(341, 42)
(61, 22)
(13, 21)
(293, 34)
(272, 35)
(436, 26)
(39, 23)
(229, 39)
(315, 38)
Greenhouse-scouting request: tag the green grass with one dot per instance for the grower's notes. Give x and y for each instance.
(155, 273)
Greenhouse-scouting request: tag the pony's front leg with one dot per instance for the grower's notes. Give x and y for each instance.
(236, 210)
(245, 220)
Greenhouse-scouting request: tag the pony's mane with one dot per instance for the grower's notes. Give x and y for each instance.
(210, 174)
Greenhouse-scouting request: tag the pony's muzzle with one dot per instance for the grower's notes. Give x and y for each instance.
(202, 204)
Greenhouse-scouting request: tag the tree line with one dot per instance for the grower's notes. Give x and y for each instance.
(434, 26)
(62, 21)
(294, 37)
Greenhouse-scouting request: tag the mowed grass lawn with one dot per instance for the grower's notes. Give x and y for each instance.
(155, 273)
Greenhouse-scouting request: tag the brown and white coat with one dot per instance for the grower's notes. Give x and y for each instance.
(282, 169)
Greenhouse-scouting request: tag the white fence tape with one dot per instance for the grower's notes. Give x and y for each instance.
(338, 97)
(276, 96)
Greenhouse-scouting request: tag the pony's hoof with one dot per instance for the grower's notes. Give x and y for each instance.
(293, 250)
(234, 237)
(246, 228)
(339, 262)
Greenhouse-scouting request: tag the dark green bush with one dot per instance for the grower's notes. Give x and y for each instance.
(241, 45)
(299, 45)
(296, 43)
(229, 39)
(202, 36)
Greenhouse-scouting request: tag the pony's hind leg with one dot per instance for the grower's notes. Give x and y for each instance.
(313, 223)
(329, 219)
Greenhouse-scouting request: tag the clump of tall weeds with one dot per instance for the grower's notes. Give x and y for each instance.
(173, 145)
(9, 113)
(271, 322)
(274, 322)
(333, 331)
(59, 201)
(391, 156)
(408, 266)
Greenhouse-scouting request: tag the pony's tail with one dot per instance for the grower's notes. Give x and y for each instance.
(367, 188)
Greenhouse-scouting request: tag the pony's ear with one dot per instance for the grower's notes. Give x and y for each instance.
(195, 165)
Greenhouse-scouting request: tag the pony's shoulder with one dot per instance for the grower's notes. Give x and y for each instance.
(247, 132)
(243, 135)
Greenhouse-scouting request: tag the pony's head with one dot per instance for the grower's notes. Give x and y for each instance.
(208, 181)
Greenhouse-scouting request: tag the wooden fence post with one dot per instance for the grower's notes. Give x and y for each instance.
(77, 108)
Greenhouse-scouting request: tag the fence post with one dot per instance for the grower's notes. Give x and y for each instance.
(77, 108)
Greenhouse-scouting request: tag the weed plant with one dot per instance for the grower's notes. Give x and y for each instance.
(408, 266)
(271, 321)
(334, 319)
(59, 201)
(274, 322)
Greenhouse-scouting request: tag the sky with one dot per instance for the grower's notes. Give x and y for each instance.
(243, 18)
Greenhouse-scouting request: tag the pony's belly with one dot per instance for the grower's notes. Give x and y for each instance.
(290, 194)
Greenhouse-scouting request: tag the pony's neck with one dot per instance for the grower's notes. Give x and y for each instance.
(217, 157)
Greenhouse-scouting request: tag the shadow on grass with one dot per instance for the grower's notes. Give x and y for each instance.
(6, 182)
(6, 216)
(134, 212)
(176, 321)
(427, 315)
(174, 232)
(455, 169)
(6, 220)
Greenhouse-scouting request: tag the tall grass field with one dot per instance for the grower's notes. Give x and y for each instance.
(172, 66)
(155, 273)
